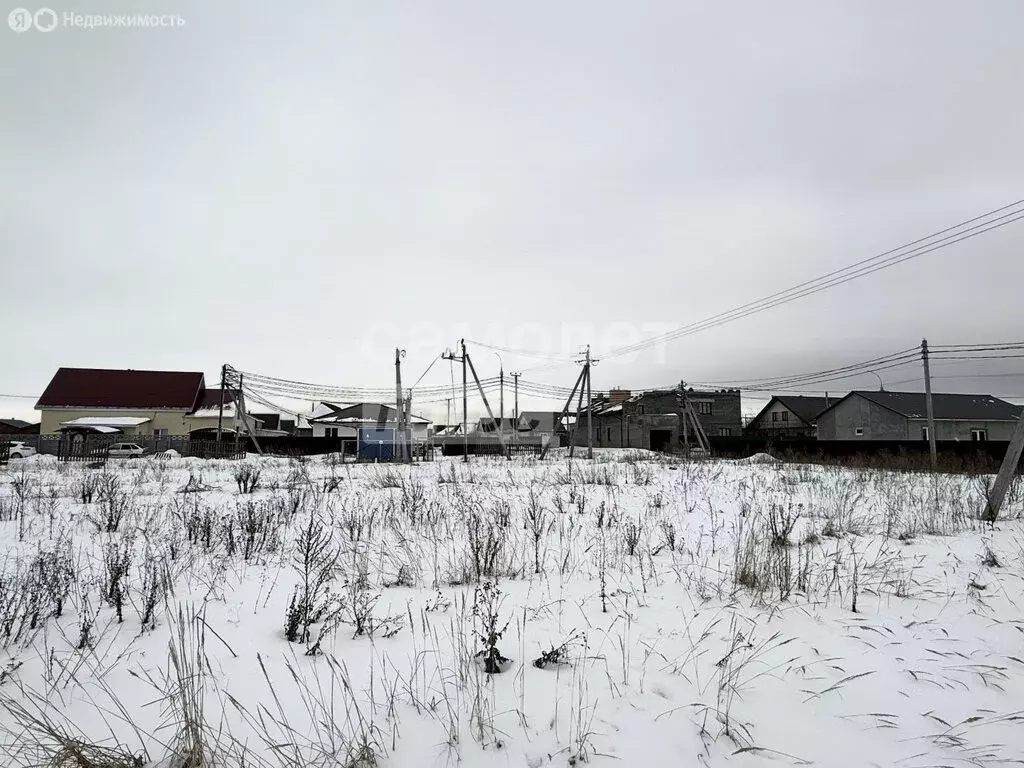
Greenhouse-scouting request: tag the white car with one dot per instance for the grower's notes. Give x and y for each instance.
(21, 450)
(125, 451)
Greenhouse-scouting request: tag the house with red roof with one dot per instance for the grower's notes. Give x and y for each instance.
(136, 403)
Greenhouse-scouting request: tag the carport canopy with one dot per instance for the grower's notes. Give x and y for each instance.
(104, 425)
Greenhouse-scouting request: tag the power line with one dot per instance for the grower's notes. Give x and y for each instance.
(890, 258)
(903, 356)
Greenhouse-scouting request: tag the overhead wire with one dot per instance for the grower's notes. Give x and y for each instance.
(890, 258)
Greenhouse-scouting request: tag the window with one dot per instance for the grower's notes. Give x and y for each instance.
(704, 408)
(785, 415)
(331, 432)
(859, 431)
(775, 416)
(641, 410)
(924, 433)
(725, 431)
(979, 435)
(159, 433)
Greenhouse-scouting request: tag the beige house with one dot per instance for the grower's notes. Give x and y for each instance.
(136, 403)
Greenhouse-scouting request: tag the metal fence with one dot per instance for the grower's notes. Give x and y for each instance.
(211, 449)
(82, 450)
(5, 451)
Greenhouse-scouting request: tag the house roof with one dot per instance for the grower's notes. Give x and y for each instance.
(946, 406)
(268, 420)
(363, 412)
(805, 408)
(210, 398)
(105, 388)
(14, 424)
(105, 421)
(542, 421)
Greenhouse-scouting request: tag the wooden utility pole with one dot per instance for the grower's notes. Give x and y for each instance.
(220, 415)
(929, 409)
(399, 443)
(501, 402)
(1006, 471)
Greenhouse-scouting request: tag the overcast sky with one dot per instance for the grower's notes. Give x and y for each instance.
(295, 188)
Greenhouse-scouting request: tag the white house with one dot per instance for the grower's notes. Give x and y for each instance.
(345, 421)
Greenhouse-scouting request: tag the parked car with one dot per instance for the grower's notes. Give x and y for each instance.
(20, 450)
(125, 451)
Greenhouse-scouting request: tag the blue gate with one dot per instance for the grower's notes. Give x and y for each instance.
(376, 444)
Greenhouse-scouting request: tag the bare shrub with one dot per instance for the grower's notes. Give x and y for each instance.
(88, 485)
(258, 529)
(316, 560)
(631, 533)
(781, 522)
(537, 523)
(117, 560)
(247, 477)
(668, 534)
(487, 600)
(486, 544)
(560, 654)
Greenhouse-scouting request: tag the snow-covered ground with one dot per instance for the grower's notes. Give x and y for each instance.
(641, 613)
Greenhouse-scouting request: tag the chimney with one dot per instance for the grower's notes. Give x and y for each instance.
(616, 396)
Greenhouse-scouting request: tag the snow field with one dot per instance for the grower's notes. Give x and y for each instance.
(622, 611)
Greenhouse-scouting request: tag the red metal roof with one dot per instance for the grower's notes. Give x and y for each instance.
(103, 388)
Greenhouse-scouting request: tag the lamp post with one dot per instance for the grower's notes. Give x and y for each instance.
(881, 386)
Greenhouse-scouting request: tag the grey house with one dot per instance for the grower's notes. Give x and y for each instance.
(789, 416)
(653, 419)
(903, 416)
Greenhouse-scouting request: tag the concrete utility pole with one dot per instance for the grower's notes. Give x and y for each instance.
(1006, 471)
(515, 408)
(501, 398)
(220, 415)
(399, 443)
(932, 448)
(590, 412)
(465, 430)
(465, 418)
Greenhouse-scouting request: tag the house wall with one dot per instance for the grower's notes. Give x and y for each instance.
(792, 426)
(193, 423)
(961, 430)
(622, 430)
(842, 421)
(173, 421)
(726, 413)
(419, 431)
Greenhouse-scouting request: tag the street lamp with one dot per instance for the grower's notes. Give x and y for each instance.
(881, 387)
